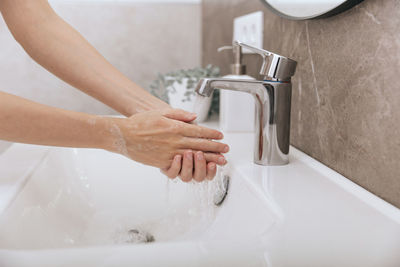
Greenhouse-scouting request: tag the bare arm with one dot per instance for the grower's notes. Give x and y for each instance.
(63, 51)
(59, 48)
(153, 137)
(25, 121)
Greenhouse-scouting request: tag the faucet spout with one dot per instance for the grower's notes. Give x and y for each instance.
(206, 86)
(272, 129)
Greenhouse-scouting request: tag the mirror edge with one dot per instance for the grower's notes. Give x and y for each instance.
(337, 10)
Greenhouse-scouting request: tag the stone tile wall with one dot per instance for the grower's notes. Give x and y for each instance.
(346, 92)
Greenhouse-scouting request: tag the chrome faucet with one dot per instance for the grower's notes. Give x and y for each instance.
(272, 100)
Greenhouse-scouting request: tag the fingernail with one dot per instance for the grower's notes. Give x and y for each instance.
(226, 149)
(178, 157)
(221, 135)
(221, 160)
(212, 166)
(199, 155)
(189, 155)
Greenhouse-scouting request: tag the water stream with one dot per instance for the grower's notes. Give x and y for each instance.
(201, 106)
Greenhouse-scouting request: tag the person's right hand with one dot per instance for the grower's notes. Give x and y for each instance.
(155, 137)
(192, 166)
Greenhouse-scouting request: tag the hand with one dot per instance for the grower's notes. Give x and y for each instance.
(197, 165)
(155, 137)
(202, 169)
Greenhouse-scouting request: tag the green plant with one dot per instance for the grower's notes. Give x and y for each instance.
(165, 83)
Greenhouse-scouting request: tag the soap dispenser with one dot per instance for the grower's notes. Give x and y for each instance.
(236, 110)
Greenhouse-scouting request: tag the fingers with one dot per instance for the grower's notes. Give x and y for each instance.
(200, 166)
(204, 145)
(192, 130)
(211, 170)
(180, 115)
(216, 158)
(187, 166)
(175, 168)
(202, 169)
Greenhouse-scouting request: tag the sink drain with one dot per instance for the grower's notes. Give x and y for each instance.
(137, 236)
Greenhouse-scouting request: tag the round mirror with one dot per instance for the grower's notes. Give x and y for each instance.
(309, 9)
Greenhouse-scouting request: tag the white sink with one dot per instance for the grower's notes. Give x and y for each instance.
(75, 207)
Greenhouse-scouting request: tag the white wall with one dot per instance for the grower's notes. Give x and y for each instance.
(140, 38)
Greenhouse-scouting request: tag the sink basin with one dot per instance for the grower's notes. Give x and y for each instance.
(78, 207)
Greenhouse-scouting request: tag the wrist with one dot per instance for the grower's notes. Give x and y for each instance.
(153, 104)
(110, 133)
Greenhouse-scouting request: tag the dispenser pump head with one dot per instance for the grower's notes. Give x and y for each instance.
(274, 67)
(237, 68)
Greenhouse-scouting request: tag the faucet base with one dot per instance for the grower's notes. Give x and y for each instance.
(272, 142)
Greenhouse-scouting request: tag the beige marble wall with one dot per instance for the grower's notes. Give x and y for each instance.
(346, 92)
(137, 37)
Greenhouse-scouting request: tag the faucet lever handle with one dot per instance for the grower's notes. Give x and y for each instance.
(275, 67)
(261, 52)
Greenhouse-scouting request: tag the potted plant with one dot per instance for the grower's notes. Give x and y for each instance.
(177, 88)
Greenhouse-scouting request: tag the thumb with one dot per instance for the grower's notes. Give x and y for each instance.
(180, 115)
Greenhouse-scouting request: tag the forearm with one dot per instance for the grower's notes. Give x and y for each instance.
(63, 51)
(28, 122)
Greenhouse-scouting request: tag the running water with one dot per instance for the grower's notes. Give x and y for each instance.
(196, 210)
(203, 194)
(201, 107)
